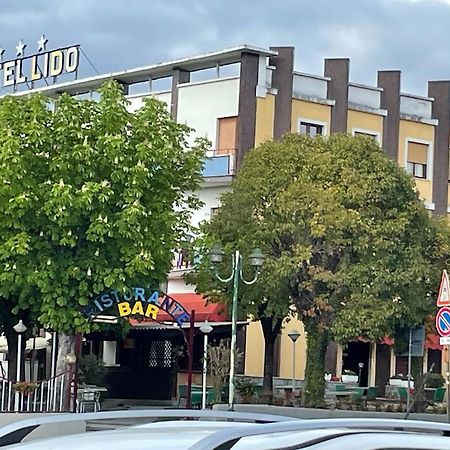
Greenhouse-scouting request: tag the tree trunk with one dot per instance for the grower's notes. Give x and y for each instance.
(419, 393)
(315, 365)
(271, 331)
(66, 345)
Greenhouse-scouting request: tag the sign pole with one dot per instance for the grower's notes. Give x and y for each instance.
(448, 384)
(190, 359)
(443, 326)
(408, 397)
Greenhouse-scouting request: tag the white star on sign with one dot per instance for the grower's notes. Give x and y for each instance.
(42, 42)
(20, 48)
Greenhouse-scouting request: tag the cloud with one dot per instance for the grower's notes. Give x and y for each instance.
(375, 34)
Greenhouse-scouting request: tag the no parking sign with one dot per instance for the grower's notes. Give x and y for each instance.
(443, 321)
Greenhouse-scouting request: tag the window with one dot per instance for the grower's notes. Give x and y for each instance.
(360, 133)
(311, 129)
(416, 164)
(214, 211)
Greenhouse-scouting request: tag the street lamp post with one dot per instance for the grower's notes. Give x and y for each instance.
(19, 328)
(70, 359)
(360, 368)
(294, 335)
(256, 260)
(206, 328)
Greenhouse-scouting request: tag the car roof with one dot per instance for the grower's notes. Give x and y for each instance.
(136, 438)
(178, 429)
(182, 435)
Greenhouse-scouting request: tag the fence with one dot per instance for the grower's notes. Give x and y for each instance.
(51, 395)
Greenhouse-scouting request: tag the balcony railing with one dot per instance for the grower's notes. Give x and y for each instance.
(220, 163)
(180, 260)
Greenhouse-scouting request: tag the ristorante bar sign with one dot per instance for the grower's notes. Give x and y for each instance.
(138, 301)
(38, 66)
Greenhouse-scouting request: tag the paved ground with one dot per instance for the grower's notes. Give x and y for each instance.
(310, 413)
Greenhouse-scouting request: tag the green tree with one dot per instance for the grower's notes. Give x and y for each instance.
(93, 197)
(346, 236)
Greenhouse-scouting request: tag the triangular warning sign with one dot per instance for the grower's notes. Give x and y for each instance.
(444, 291)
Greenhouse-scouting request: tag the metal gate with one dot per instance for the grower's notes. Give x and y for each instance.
(51, 395)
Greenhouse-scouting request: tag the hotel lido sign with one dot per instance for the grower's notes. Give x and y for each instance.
(39, 66)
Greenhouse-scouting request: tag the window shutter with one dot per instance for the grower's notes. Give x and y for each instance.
(226, 134)
(417, 153)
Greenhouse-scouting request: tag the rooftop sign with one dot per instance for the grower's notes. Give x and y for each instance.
(38, 66)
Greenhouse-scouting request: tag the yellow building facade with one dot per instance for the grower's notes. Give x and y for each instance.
(412, 129)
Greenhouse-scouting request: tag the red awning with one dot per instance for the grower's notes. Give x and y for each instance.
(431, 342)
(212, 312)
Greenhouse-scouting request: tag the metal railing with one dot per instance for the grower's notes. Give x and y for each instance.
(48, 395)
(221, 162)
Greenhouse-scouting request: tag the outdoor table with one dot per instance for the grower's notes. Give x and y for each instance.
(82, 389)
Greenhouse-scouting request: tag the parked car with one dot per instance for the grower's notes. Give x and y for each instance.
(215, 430)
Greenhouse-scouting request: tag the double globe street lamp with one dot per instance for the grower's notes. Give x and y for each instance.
(256, 259)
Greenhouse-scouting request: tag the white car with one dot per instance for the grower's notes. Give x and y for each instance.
(170, 429)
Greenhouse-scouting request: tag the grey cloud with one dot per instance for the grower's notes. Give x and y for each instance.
(375, 34)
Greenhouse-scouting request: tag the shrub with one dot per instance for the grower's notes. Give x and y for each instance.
(435, 380)
(91, 370)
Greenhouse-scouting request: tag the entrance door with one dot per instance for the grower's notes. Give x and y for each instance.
(357, 353)
(383, 366)
(146, 369)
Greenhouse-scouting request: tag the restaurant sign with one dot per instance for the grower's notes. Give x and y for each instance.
(138, 301)
(38, 66)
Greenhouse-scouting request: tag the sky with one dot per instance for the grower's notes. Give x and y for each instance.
(407, 35)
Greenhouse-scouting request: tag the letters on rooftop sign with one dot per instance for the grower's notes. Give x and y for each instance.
(39, 66)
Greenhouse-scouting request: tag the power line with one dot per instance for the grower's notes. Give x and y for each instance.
(89, 61)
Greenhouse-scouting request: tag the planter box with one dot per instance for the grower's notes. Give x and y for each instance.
(400, 383)
(349, 378)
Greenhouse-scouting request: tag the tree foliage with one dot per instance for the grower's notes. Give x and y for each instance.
(348, 241)
(92, 198)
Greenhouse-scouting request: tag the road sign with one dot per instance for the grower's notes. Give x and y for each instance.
(444, 340)
(444, 291)
(443, 321)
(417, 341)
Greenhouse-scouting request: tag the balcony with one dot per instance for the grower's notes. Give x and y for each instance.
(181, 263)
(220, 163)
(310, 87)
(416, 108)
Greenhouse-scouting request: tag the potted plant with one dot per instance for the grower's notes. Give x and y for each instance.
(348, 376)
(434, 380)
(25, 387)
(246, 389)
(400, 380)
(219, 367)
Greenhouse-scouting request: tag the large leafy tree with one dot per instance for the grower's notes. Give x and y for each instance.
(93, 197)
(346, 237)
